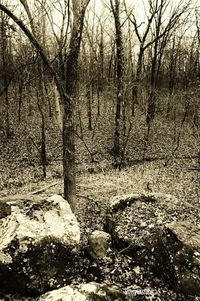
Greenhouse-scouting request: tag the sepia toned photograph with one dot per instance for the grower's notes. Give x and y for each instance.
(99, 150)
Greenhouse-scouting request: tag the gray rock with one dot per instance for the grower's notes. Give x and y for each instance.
(99, 244)
(86, 292)
(148, 228)
(133, 219)
(37, 240)
(122, 201)
(178, 256)
(103, 292)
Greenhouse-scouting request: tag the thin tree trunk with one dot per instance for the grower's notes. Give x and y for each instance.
(41, 105)
(58, 113)
(135, 89)
(21, 86)
(4, 47)
(89, 107)
(48, 99)
(120, 75)
(43, 156)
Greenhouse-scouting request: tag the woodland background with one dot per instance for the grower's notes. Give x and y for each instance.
(136, 100)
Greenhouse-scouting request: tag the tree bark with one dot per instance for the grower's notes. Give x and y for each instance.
(69, 101)
(4, 48)
(120, 75)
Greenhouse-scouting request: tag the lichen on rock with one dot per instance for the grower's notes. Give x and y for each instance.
(37, 240)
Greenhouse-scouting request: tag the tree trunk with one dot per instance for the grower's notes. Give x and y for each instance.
(66, 92)
(4, 50)
(89, 103)
(135, 89)
(43, 156)
(21, 86)
(69, 101)
(41, 106)
(58, 113)
(120, 74)
(69, 155)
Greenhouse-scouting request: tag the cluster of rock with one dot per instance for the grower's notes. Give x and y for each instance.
(39, 243)
(153, 230)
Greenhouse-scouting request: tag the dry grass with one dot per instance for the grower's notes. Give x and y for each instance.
(177, 179)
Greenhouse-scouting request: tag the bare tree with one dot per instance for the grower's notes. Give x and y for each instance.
(115, 5)
(161, 36)
(4, 46)
(66, 89)
(161, 20)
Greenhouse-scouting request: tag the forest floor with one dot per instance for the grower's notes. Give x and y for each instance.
(21, 174)
(180, 178)
(95, 186)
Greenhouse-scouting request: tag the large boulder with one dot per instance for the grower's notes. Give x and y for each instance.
(86, 292)
(153, 230)
(122, 201)
(133, 219)
(38, 243)
(177, 254)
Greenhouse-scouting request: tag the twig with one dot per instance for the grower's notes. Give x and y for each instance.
(85, 197)
(43, 189)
